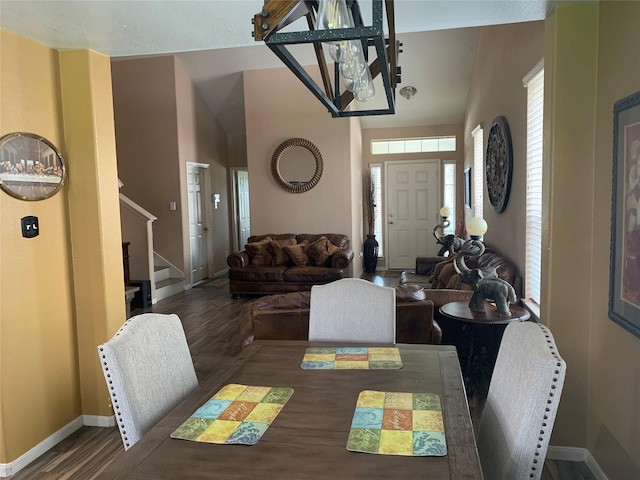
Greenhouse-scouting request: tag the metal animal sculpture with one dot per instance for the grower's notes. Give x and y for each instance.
(484, 281)
(450, 243)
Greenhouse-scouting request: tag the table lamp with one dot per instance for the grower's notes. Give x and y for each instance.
(477, 227)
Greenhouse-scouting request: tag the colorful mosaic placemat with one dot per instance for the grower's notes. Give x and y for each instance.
(237, 414)
(398, 424)
(352, 358)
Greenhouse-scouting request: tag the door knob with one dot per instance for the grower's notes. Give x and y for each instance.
(391, 222)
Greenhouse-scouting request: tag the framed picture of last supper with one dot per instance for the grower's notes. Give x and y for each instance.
(31, 168)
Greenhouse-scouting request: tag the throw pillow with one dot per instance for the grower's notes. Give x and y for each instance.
(260, 252)
(277, 248)
(296, 253)
(434, 278)
(321, 250)
(455, 283)
(447, 272)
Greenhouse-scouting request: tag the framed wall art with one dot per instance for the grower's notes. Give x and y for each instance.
(467, 187)
(624, 278)
(499, 164)
(31, 167)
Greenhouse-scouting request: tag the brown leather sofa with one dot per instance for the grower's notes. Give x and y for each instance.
(439, 273)
(290, 264)
(443, 285)
(286, 317)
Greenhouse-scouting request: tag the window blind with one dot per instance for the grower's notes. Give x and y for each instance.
(533, 253)
(376, 178)
(450, 196)
(478, 170)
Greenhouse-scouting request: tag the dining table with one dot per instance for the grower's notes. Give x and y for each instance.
(308, 437)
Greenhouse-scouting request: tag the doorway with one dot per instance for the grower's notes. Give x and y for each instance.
(241, 210)
(198, 230)
(412, 194)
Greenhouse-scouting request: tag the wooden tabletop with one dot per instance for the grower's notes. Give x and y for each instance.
(308, 438)
(461, 311)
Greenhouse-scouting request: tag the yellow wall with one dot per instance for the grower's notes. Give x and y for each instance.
(570, 84)
(44, 314)
(40, 383)
(613, 426)
(594, 61)
(94, 215)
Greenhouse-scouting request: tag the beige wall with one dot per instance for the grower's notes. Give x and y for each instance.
(54, 310)
(162, 123)
(145, 108)
(201, 139)
(504, 55)
(279, 107)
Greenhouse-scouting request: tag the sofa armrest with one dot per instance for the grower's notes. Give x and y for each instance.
(442, 296)
(238, 259)
(342, 259)
(436, 333)
(415, 323)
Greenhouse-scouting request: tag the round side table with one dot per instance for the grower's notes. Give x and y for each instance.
(484, 330)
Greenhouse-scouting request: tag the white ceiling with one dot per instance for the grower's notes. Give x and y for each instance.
(212, 39)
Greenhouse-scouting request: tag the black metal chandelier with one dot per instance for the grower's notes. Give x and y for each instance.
(338, 24)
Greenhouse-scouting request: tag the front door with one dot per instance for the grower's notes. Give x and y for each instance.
(412, 201)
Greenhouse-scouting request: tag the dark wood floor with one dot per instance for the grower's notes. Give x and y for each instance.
(208, 314)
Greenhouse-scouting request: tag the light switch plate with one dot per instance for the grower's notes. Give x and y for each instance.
(30, 226)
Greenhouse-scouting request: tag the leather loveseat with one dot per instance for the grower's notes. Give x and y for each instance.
(286, 317)
(288, 263)
(443, 285)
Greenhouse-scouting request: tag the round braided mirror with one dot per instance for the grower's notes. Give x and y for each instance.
(296, 165)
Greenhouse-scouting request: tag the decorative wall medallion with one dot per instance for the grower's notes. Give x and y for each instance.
(499, 164)
(291, 167)
(31, 168)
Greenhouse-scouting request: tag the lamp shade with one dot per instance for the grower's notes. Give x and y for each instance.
(445, 212)
(477, 227)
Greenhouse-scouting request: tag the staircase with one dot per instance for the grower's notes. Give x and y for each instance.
(168, 279)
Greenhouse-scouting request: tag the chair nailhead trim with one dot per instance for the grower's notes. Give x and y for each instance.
(553, 386)
(114, 399)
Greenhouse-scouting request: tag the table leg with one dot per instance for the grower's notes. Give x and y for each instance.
(484, 342)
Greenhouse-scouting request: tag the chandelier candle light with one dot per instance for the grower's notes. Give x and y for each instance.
(337, 26)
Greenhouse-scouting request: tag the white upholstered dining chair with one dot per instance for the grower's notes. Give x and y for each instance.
(148, 369)
(352, 310)
(524, 392)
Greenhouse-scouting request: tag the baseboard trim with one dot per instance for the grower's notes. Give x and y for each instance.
(8, 469)
(221, 273)
(576, 454)
(99, 421)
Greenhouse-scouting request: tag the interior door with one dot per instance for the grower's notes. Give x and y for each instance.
(412, 205)
(242, 208)
(197, 230)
